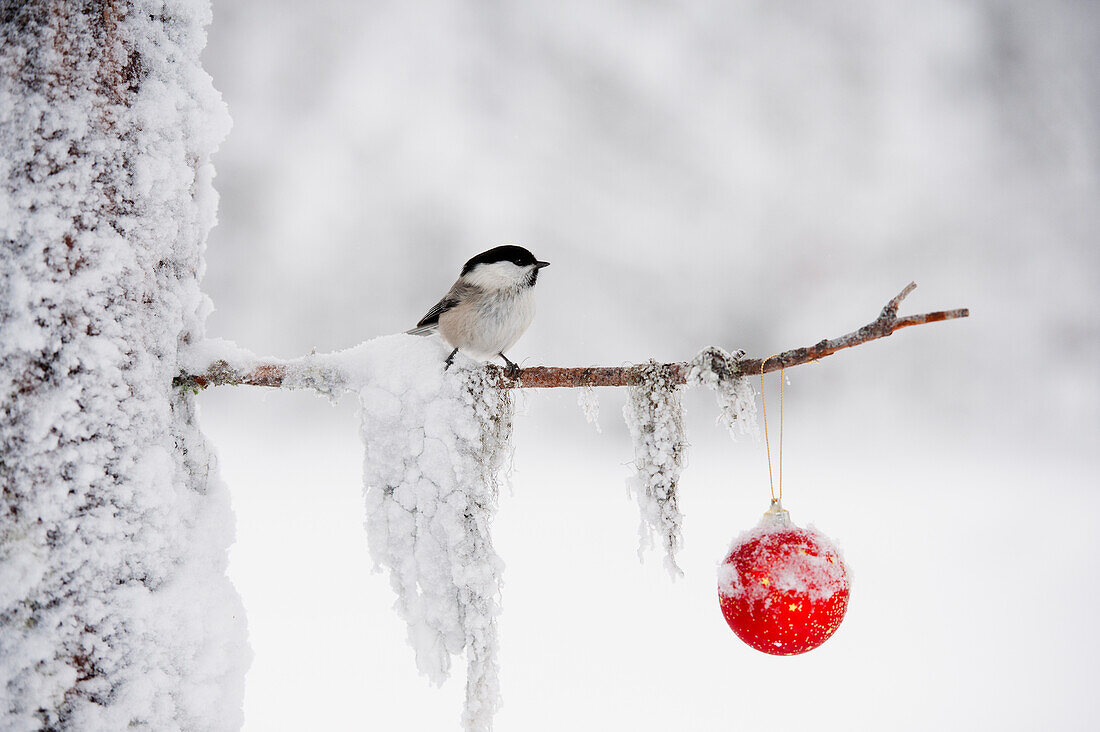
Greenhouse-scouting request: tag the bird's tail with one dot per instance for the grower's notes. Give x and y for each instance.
(424, 330)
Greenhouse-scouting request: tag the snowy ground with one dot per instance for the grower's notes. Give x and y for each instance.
(973, 605)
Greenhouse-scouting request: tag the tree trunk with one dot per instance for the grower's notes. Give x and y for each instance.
(115, 610)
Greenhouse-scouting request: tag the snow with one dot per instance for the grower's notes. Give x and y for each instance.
(196, 357)
(781, 546)
(115, 608)
(435, 443)
(654, 414)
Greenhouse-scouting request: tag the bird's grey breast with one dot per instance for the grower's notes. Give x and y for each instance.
(486, 323)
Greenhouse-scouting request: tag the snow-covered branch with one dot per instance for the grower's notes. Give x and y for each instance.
(436, 442)
(331, 374)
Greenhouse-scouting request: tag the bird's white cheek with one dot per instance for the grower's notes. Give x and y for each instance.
(496, 276)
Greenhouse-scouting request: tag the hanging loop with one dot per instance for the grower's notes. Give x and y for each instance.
(767, 442)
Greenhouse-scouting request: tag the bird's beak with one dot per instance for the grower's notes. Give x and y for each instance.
(540, 265)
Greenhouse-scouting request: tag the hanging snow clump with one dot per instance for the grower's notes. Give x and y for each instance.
(435, 444)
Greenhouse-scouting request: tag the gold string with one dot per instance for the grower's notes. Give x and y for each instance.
(767, 442)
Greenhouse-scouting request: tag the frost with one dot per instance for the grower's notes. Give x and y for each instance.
(590, 404)
(654, 414)
(115, 610)
(717, 370)
(435, 444)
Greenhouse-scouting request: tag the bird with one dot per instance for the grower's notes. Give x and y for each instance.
(489, 307)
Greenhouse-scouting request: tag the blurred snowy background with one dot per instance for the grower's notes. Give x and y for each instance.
(748, 174)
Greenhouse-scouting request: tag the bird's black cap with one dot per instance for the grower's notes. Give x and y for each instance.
(507, 253)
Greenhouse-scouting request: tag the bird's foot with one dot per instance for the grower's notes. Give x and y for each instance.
(511, 370)
(450, 360)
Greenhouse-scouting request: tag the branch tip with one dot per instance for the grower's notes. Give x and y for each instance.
(890, 312)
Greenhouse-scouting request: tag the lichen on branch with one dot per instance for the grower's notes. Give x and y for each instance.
(654, 414)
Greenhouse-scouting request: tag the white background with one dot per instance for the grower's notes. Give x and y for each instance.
(751, 175)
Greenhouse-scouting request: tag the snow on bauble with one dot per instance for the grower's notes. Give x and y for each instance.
(783, 589)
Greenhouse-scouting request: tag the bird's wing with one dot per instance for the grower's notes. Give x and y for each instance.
(430, 321)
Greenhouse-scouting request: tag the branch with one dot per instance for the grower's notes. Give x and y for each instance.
(545, 377)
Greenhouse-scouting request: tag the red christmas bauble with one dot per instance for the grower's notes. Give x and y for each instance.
(783, 589)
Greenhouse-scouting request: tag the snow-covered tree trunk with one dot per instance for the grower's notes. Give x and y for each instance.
(115, 610)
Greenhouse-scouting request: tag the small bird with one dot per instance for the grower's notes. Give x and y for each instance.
(489, 307)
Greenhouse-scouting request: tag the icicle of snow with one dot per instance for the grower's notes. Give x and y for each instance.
(435, 444)
(590, 404)
(115, 610)
(654, 414)
(717, 370)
